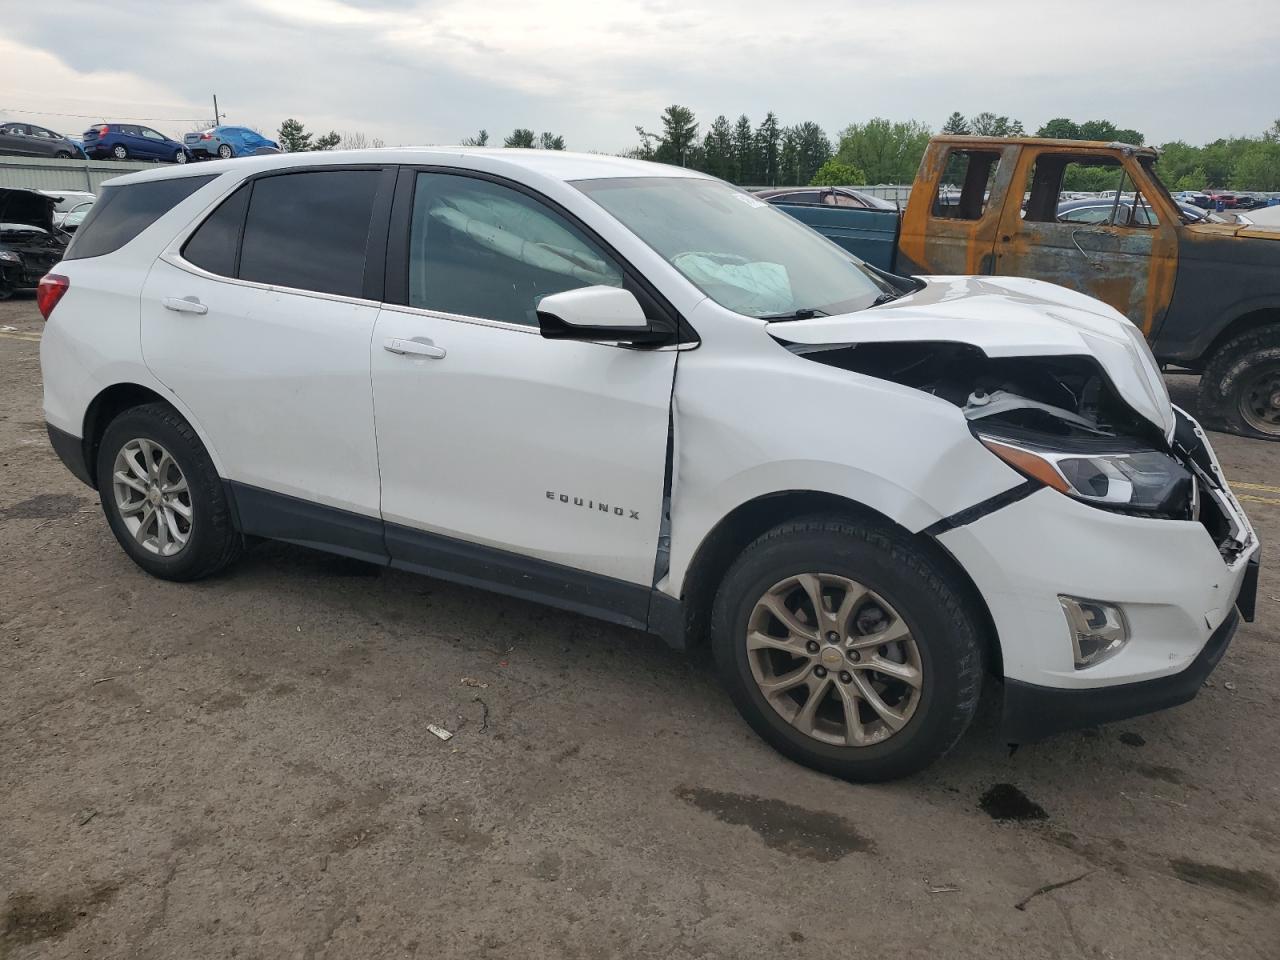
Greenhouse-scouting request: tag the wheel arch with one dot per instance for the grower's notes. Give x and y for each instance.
(1252, 317)
(112, 401)
(742, 525)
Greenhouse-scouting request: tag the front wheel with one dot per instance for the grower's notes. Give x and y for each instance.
(180, 156)
(62, 155)
(1240, 386)
(119, 152)
(162, 496)
(848, 647)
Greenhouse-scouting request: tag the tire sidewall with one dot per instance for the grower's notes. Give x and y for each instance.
(927, 734)
(144, 423)
(1231, 380)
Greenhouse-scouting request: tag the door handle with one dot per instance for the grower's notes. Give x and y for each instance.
(185, 305)
(418, 347)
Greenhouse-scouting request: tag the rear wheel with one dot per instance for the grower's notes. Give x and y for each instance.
(1240, 386)
(224, 151)
(119, 152)
(162, 496)
(849, 648)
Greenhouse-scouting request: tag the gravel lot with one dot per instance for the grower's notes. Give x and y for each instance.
(242, 768)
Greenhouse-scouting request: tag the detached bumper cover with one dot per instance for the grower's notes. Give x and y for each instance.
(1033, 712)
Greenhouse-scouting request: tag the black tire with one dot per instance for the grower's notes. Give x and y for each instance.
(62, 155)
(1242, 371)
(213, 543)
(918, 584)
(225, 151)
(119, 152)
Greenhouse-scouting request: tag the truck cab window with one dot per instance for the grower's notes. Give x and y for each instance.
(966, 184)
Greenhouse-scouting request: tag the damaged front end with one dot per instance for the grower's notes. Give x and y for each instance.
(1060, 422)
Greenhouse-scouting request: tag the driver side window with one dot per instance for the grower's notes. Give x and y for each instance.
(480, 249)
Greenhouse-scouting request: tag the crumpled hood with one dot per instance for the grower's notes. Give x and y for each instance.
(1006, 317)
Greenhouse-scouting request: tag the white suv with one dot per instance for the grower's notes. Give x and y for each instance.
(642, 394)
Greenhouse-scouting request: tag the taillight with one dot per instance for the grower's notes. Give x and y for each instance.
(50, 290)
(206, 136)
(103, 130)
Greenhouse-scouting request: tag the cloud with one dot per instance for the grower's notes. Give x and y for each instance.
(433, 71)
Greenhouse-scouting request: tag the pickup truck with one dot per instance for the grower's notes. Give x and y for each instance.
(1205, 295)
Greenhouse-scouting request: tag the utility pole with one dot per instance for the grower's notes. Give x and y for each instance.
(217, 117)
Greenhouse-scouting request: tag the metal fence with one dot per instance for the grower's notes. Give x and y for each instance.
(38, 173)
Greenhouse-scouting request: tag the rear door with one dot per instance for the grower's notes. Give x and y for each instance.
(1124, 253)
(524, 459)
(953, 229)
(260, 322)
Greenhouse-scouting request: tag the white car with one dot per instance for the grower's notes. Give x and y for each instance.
(67, 200)
(640, 393)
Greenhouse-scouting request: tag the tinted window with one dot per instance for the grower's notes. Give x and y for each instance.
(124, 212)
(484, 250)
(213, 245)
(309, 230)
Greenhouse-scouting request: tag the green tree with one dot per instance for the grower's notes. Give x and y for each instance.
(520, 137)
(1016, 129)
(481, 139)
(956, 125)
(293, 137)
(1258, 167)
(1060, 128)
(768, 146)
(717, 149)
(744, 151)
(987, 124)
(327, 142)
(812, 150)
(886, 152)
(550, 141)
(834, 173)
(679, 135)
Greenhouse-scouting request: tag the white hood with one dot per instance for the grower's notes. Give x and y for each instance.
(1006, 317)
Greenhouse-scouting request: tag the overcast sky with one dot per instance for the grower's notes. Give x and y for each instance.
(434, 71)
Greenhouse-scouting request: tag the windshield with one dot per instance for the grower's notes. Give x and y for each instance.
(737, 249)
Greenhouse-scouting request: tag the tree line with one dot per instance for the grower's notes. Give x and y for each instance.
(877, 151)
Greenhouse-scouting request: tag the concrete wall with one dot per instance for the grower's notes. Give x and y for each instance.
(38, 173)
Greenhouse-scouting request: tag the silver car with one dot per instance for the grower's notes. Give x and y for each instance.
(28, 140)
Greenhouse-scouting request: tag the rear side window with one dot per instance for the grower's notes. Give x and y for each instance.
(213, 246)
(123, 212)
(309, 230)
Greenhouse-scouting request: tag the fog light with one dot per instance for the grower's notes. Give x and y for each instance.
(1098, 630)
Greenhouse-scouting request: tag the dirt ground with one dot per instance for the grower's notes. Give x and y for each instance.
(242, 768)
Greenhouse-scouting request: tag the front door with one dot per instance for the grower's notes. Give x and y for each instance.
(504, 454)
(1119, 247)
(260, 325)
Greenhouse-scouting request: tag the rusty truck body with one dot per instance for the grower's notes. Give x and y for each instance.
(1206, 295)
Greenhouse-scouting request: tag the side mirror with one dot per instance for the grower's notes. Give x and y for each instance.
(594, 314)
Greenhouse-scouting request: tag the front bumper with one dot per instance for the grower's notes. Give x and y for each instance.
(1178, 591)
(1032, 712)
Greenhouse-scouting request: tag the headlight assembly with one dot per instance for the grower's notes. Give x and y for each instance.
(10, 256)
(1144, 481)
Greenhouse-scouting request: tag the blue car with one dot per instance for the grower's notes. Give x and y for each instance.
(227, 142)
(129, 141)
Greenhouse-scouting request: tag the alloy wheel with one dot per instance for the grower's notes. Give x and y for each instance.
(834, 659)
(180, 156)
(153, 497)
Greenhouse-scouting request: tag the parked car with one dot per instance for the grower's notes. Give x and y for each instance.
(848, 491)
(28, 140)
(826, 196)
(1197, 198)
(1228, 200)
(1204, 294)
(66, 200)
(30, 244)
(1100, 210)
(129, 141)
(226, 142)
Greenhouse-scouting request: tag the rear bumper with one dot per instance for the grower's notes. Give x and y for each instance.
(1033, 712)
(70, 450)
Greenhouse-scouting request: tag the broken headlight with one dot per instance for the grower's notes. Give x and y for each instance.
(1143, 481)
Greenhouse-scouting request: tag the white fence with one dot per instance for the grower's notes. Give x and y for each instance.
(38, 173)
